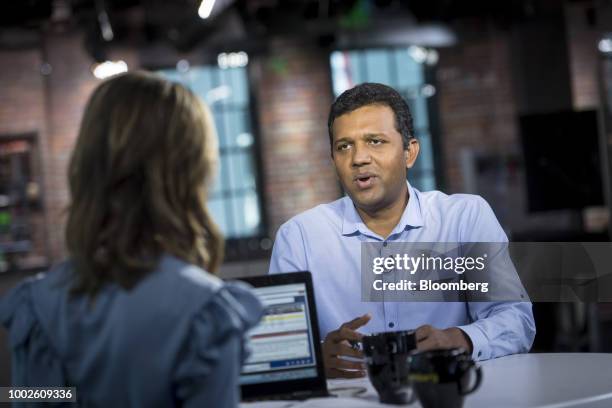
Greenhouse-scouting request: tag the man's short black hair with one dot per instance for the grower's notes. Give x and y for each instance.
(370, 93)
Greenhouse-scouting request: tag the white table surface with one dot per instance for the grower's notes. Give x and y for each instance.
(550, 380)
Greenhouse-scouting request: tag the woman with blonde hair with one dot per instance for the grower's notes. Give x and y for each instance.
(133, 318)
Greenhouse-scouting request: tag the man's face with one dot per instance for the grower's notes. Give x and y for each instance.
(369, 156)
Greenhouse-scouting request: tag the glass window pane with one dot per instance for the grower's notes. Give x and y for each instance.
(215, 188)
(226, 174)
(240, 92)
(419, 113)
(244, 176)
(229, 122)
(341, 71)
(357, 67)
(426, 151)
(219, 118)
(409, 72)
(378, 67)
(201, 82)
(241, 136)
(217, 212)
(252, 212)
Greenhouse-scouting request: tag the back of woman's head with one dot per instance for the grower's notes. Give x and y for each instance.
(145, 152)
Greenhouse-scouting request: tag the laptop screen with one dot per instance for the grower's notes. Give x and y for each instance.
(282, 346)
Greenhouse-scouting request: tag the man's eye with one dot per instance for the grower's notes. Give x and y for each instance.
(342, 146)
(376, 141)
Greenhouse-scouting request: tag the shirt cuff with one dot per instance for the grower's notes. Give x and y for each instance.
(480, 344)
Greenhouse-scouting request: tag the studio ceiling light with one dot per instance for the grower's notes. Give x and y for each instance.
(109, 68)
(206, 8)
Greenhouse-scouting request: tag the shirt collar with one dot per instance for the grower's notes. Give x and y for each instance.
(411, 217)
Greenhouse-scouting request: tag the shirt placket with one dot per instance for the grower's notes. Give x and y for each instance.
(389, 307)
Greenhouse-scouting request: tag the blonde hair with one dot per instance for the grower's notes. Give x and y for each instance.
(138, 176)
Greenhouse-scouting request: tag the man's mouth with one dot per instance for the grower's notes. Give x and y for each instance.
(364, 181)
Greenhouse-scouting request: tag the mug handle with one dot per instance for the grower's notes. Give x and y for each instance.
(476, 383)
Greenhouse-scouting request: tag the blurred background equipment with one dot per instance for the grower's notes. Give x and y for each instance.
(562, 160)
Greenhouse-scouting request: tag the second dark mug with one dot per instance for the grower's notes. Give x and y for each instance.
(387, 356)
(442, 378)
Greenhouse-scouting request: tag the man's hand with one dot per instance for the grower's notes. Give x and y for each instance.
(430, 338)
(337, 344)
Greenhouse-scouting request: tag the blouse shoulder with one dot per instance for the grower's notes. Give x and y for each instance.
(231, 311)
(215, 341)
(17, 312)
(36, 359)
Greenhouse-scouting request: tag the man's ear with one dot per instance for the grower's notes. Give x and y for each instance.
(411, 152)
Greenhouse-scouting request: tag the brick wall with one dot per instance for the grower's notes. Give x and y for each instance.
(69, 86)
(294, 95)
(476, 102)
(21, 96)
(582, 39)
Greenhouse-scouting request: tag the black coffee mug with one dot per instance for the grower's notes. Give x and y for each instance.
(387, 360)
(442, 378)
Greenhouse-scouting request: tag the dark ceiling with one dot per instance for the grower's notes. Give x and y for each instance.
(251, 21)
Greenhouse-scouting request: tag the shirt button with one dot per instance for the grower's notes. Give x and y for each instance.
(384, 244)
(391, 325)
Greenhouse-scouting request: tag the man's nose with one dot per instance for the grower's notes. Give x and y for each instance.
(361, 156)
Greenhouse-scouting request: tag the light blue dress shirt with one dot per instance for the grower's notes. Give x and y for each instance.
(326, 240)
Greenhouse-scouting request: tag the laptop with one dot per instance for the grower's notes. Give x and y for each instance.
(285, 360)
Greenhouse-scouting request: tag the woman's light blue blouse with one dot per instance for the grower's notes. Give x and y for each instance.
(176, 339)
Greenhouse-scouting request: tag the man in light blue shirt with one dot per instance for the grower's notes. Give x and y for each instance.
(373, 146)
